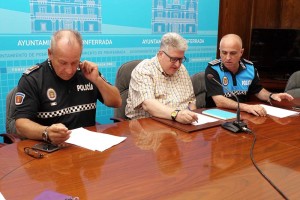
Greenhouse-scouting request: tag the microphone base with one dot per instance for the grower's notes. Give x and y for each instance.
(235, 126)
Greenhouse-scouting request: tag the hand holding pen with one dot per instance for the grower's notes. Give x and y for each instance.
(190, 109)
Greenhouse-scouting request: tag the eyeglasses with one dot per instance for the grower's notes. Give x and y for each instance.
(175, 59)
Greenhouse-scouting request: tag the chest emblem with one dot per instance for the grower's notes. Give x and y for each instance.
(51, 94)
(225, 81)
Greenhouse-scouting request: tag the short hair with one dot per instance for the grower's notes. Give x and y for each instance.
(66, 33)
(173, 40)
(233, 37)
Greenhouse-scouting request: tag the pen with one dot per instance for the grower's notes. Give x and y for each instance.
(188, 107)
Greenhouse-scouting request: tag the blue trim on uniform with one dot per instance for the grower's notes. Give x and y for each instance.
(244, 79)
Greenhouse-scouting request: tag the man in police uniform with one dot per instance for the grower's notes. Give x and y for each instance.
(61, 93)
(239, 76)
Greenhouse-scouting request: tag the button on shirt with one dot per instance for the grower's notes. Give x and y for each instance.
(149, 82)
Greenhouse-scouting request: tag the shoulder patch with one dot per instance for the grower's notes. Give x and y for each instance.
(215, 62)
(248, 61)
(31, 69)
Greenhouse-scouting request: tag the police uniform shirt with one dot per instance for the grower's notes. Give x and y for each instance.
(45, 98)
(244, 83)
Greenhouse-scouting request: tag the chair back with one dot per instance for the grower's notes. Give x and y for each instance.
(293, 85)
(122, 83)
(10, 111)
(198, 81)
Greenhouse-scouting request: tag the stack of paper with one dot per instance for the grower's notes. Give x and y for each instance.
(278, 112)
(93, 140)
(203, 119)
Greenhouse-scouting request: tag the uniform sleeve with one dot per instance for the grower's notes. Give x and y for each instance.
(255, 86)
(212, 87)
(27, 99)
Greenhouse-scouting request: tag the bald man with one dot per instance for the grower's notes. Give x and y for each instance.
(61, 93)
(239, 76)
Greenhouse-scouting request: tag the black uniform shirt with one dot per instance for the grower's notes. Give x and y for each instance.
(45, 98)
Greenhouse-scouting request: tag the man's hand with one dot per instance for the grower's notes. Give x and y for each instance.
(255, 110)
(186, 117)
(58, 133)
(89, 70)
(281, 96)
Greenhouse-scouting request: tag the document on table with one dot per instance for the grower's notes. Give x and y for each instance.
(1, 197)
(279, 112)
(203, 119)
(93, 140)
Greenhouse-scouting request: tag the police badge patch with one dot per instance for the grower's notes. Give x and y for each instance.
(19, 97)
(225, 81)
(51, 94)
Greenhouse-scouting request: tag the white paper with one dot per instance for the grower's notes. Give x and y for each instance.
(93, 140)
(1, 197)
(203, 119)
(278, 112)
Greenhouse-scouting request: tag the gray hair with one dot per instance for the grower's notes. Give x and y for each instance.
(68, 34)
(173, 40)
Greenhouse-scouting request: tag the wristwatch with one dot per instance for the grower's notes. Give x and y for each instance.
(45, 136)
(174, 114)
(270, 97)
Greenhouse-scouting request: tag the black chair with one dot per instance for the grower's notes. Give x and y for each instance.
(293, 85)
(11, 135)
(198, 81)
(122, 83)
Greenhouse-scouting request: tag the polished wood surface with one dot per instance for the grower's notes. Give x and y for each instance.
(160, 162)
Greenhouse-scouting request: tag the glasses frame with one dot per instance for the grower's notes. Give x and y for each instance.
(175, 59)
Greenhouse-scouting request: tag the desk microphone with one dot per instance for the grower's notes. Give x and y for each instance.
(235, 126)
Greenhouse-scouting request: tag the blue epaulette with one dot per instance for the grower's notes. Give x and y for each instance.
(31, 69)
(248, 61)
(215, 62)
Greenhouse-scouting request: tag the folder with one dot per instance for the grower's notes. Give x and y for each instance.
(220, 114)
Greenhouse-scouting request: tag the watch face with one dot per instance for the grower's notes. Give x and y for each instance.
(174, 114)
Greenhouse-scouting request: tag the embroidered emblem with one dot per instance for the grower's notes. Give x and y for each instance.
(51, 94)
(19, 97)
(225, 81)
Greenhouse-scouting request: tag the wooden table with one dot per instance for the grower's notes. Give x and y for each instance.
(159, 162)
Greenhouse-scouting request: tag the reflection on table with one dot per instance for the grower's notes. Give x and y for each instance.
(157, 161)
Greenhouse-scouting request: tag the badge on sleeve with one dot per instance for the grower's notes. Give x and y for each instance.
(19, 97)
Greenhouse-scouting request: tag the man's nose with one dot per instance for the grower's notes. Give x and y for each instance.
(228, 56)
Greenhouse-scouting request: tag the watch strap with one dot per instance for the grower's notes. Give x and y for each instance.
(45, 135)
(174, 114)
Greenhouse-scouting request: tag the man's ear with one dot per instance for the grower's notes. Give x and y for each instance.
(159, 54)
(49, 53)
(242, 51)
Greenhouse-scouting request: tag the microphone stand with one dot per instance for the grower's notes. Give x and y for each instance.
(238, 125)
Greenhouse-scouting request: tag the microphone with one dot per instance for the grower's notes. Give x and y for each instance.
(235, 126)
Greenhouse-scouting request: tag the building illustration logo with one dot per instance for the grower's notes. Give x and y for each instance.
(175, 16)
(48, 16)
